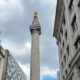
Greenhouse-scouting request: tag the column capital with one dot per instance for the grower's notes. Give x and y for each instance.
(35, 24)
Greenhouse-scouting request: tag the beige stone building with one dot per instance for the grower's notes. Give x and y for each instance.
(67, 34)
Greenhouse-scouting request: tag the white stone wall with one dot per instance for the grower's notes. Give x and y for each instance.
(71, 38)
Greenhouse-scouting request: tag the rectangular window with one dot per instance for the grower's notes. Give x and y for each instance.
(74, 23)
(69, 66)
(66, 34)
(63, 44)
(71, 6)
(0, 61)
(61, 53)
(64, 58)
(68, 50)
(77, 43)
(62, 64)
(79, 3)
(66, 72)
(61, 30)
(63, 20)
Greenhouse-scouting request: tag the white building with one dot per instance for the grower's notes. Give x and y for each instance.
(67, 34)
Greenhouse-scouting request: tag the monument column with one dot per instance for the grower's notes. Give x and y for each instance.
(35, 54)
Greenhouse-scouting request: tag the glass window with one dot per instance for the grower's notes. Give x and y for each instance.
(69, 66)
(77, 43)
(79, 3)
(61, 53)
(68, 50)
(0, 61)
(63, 44)
(66, 72)
(71, 6)
(61, 30)
(64, 58)
(63, 20)
(74, 23)
(62, 64)
(66, 34)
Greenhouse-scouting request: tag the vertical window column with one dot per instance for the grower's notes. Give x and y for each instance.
(62, 65)
(0, 61)
(67, 51)
(71, 7)
(77, 43)
(79, 3)
(64, 58)
(66, 35)
(63, 44)
(74, 24)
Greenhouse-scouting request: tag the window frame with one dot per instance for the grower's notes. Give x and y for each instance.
(0, 61)
(63, 44)
(79, 4)
(74, 23)
(68, 50)
(66, 34)
(65, 58)
(77, 43)
(71, 6)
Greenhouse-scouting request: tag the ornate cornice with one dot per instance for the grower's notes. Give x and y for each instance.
(35, 24)
(58, 18)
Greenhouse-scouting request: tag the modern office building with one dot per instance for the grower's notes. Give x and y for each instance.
(9, 69)
(67, 34)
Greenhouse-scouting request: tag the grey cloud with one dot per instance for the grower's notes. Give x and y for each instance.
(16, 30)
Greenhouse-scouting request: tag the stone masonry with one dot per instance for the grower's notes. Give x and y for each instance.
(67, 34)
(35, 54)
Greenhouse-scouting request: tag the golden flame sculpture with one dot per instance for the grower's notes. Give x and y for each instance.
(35, 15)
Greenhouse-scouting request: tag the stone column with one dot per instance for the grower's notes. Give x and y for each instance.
(35, 57)
(35, 53)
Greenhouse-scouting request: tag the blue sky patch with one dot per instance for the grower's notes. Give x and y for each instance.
(47, 77)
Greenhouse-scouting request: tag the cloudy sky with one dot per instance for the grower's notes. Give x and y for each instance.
(15, 18)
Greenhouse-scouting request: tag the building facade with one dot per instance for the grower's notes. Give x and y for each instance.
(9, 69)
(67, 34)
